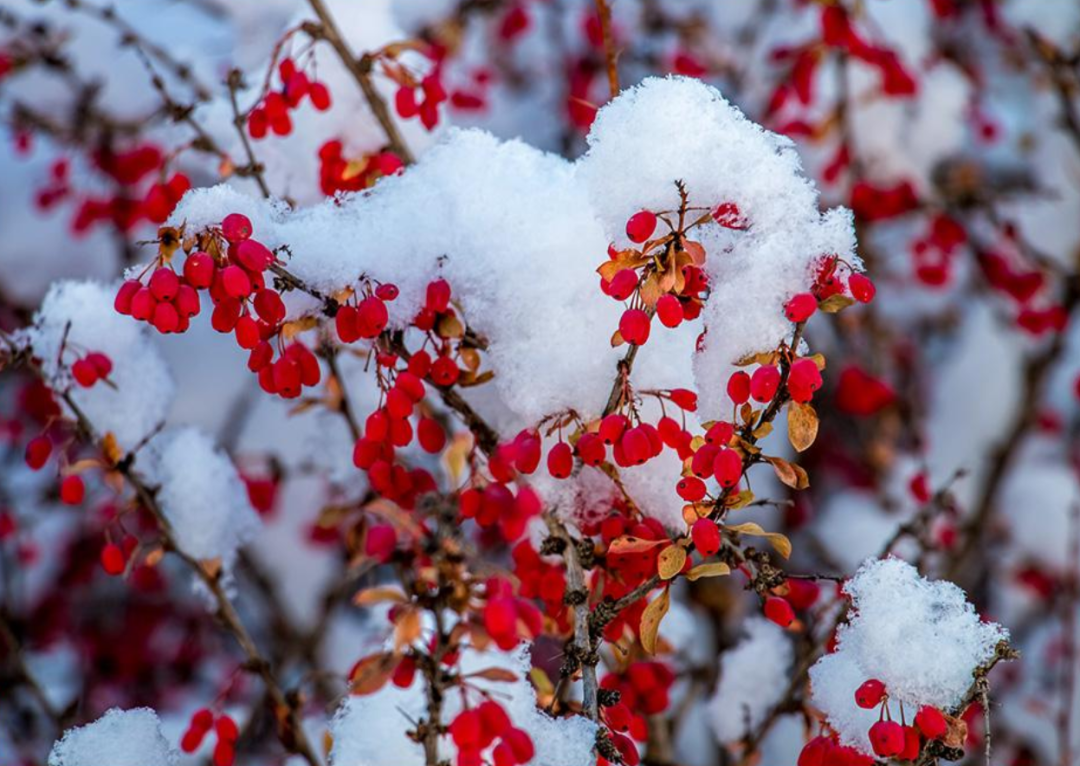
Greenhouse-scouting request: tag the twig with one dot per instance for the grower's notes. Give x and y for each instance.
(604, 12)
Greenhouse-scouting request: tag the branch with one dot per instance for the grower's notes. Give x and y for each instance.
(604, 12)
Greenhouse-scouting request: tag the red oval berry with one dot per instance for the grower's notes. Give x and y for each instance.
(164, 284)
(623, 284)
(444, 371)
(236, 227)
(38, 451)
(438, 296)
(85, 373)
(199, 270)
(887, 738)
(634, 326)
(166, 318)
(371, 317)
(931, 722)
(254, 256)
(684, 399)
(720, 433)
(612, 427)
(124, 296)
(430, 434)
(143, 304)
(804, 378)
(257, 123)
(706, 536)
(870, 694)
(727, 467)
(640, 226)
(235, 282)
(590, 448)
(247, 332)
(862, 289)
(187, 301)
(269, 306)
(738, 387)
(800, 308)
(779, 611)
(764, 382)
(72, 490)
(112, 560)
(691, 489)
(320, 96)
(669, 310)
(560, 460)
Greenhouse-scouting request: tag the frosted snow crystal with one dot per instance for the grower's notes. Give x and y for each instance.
(370, 730)
(753, 677)
(200, 494)
(922, 639)
(118, 738)
(143, 388)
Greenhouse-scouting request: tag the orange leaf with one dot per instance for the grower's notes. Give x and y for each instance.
(651, 618)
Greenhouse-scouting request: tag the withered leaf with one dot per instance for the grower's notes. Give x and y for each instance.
(790, 474)
(835, 303)
(802, 426)
(378, 595)
(670, 561)
(495, 674)
(371, 673)
(714, 569)
(630, 544)
(651, 618)
(777, 540)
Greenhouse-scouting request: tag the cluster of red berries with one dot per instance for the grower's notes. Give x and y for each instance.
(644, 689)
(508, 618)
(38, 450)
(538, 579)
(224, 728)
(495, 506)
(91, 368)
(421, 99)
(127, 206)
(881, 203)
(339, 174)
(272, 114)
(780, 607)
(629, 566)
(837, 31)
(475, 730)
(827, 751)
(713, 458)
(896, 740)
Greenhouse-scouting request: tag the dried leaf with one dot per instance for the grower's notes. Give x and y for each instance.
(695, 251)
(763, 430)
(111, 449)
(377, 595)
(407, 628)
(790, 474)
(290, 330)
(371, 673)
(714, 569)
(670, 561)
(450, 326)
(651, 290)
(495, 674)
(777, 540)
(212, 567)
(456, 456)
(835, 303)
(802, 426)
(956, 735)
(470, 358)
(628, 544)
(651, 618)
(617, 339)
(741, 500)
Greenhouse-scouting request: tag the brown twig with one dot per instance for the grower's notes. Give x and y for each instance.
(603, 10)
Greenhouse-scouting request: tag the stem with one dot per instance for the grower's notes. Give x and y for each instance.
(604, 12)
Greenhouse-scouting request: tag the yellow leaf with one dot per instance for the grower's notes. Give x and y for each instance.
(802, 426)
(651, 618)
(790, 474)
(777, 540)
(617, 339)
(456, 456)
(835, 303)
(670, 561)
(450, 326)
(407, 628)
(377, 595)
(111, 449)
(715, 569)
(290, 330)
(470, 357)
(818, 360)
(629, 544)
(763, 430)
(741, 500)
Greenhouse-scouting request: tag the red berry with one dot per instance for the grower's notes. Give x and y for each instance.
(590, 448)
(85, 373)
(931, 722)
(226, 729)
(235, 282)
(224, 753)
(72, 490)
(720, 433)
(437, 298)
(444, 371)
(634, 326)
(112, 560)
(804, 379)
(691, 489)
(431, 435)
(164, 284)
(684, 399)
(371, 317)
(706, 536)
(801, 307)
(187, 301)
(887, 738)
(870, 694)
(727, 467)
(247, 332)
(911, 744)
(738, 387)
(166, 318)
(254, 256)
(560, 460)
(320, 96)
(257, 123)
(623, 284)
(669, 310)
(764, 382)
(641, 226)
(269, 306)
(862, 289)
(199, 270)
(236, 227)
(124, 296)
(778, 610)
(38, 450)
(143, 304)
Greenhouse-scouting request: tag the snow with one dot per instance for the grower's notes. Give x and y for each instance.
(753, 677)
(200, 494)
(139, 402)
(118, 738)
(921, 638)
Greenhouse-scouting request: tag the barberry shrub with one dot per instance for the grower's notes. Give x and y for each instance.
(528, 383)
